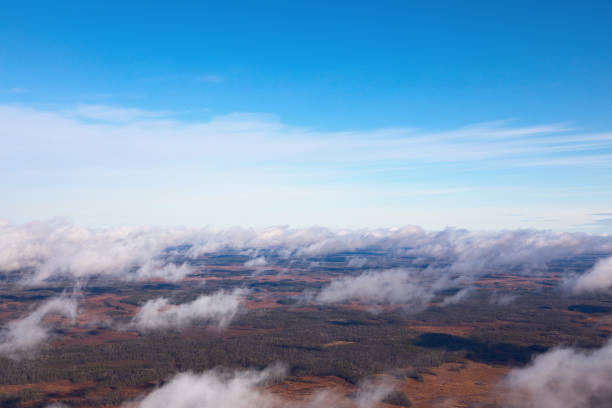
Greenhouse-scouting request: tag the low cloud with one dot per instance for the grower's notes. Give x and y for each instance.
(44, 250)
(26, 334)
(156, 269)
(357, 262)
(218, 309)
(598, 278)
(256, 262)
(562, 378)
(245, 389)
(413, 289)
(40, 251)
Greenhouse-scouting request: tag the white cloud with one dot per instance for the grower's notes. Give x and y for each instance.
(456, 257)
(393, 286)
(256, 262)
(42, 250)
(412, 289)
(465, 249)
(563, 378)
(25, 335)
(244, 389)
(217, 309)
(47, 249)
(598, 278)
(214, 389)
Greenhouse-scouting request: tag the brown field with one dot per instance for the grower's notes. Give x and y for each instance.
(455, 385)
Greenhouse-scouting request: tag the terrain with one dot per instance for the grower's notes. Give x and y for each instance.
(442, 353)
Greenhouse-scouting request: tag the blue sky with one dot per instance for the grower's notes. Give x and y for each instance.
(482, 115)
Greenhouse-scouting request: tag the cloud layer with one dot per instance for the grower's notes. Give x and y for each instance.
(45, 250)
(217, 309)
(26, 334)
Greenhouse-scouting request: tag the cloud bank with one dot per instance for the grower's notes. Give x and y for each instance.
(218, 309)
(26, 334)
(563, 378)
(47, 250)
(44, 250)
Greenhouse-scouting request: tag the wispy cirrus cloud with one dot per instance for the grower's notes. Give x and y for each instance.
(263, 137)
(110, 151)
(411, 289)
(42, 250)
(596, 279)
(106, 113)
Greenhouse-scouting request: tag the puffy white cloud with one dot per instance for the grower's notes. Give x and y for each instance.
(410, 288)
(562, 378)
(214, 389)
(598, 278)
(26, 334)
(155, 269)
(464, 251)
(243, 389)
(217, 309)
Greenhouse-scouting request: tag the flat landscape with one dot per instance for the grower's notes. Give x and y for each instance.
(446, 350)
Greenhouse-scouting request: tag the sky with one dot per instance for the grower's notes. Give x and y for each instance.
(479, 115)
